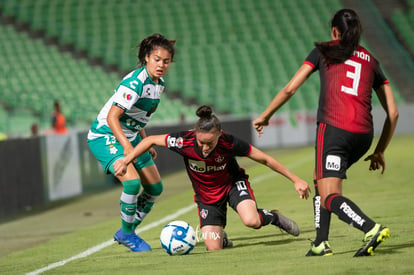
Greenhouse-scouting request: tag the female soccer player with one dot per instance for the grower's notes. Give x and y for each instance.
(348, 73)
(209, 156)
(120, 126)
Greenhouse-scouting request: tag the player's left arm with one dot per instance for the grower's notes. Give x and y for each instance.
(386, 98)
(259, 156)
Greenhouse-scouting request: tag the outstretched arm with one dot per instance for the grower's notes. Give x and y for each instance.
(282, 97)
(145, 144)
(301, 186)
(387, 100)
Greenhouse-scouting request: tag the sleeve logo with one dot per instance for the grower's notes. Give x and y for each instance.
(127, 96)
(175, 142)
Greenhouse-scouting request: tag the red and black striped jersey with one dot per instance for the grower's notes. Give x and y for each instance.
(346, 89)
(213, 176)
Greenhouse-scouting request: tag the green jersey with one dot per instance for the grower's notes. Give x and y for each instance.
(139, 96)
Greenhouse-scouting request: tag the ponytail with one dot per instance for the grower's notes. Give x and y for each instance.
(349, 26)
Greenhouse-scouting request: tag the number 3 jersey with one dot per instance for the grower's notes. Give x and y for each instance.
(139, 96)
(346, 89)
(212, 177)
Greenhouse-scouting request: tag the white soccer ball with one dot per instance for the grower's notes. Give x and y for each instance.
(178, 238)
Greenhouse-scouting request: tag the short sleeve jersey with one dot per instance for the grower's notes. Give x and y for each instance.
(139, 96)
(211, 177)
(346, 90)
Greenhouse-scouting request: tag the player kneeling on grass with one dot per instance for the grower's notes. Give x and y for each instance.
(209, 156)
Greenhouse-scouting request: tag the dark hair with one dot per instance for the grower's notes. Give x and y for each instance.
(349, 26)
(151, 43)
(207, 119)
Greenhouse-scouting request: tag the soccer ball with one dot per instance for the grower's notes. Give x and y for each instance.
(178, 238)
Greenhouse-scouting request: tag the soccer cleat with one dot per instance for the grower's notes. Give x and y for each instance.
(132, 241)
(227, 243)
(372, 239)
(286, 224)
(323, 249)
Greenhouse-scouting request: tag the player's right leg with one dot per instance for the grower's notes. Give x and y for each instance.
(128, 203)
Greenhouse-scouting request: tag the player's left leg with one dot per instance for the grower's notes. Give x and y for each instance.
(242, 200)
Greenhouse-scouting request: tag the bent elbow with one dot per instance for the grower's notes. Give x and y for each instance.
(393, 116)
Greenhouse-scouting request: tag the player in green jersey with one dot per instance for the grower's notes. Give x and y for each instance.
(119, 127)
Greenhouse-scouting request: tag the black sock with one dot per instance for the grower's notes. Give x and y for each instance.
(322, 219)
(348, 212)
(267, 217)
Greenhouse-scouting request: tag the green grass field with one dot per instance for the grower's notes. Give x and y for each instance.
(63, 236)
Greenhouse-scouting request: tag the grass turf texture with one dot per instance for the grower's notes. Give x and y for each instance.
(60, 233)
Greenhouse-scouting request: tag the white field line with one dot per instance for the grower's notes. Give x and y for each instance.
(164, 220)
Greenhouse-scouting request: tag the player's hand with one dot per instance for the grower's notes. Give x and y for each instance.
(302, 188)
(377, 161)
(153, 152)
(259, 123)
(120, 167)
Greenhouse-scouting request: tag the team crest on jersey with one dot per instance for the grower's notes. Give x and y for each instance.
(179, 142)
(219, 159)
(204, 213)
(112, 149)
(127, 96)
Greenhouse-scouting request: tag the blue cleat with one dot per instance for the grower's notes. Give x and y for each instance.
(132, 241)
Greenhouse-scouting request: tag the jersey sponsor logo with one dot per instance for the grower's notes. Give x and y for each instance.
(200, 166)
(175, 142)
(333, 163)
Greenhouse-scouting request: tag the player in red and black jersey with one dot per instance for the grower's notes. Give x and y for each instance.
(348, 74)
(209, 156)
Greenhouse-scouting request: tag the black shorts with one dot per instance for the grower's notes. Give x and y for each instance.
(337, 149)
(216, 214)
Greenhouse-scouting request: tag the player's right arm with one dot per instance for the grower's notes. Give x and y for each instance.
(282, 97)
(121, 164)
(113, 118)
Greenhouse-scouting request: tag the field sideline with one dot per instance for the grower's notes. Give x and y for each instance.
(36, 241)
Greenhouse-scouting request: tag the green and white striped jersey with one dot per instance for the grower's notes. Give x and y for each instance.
(139, 95)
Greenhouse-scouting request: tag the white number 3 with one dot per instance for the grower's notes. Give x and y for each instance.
(355, 76)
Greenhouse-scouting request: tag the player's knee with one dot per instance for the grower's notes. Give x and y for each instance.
(154, 189)
(132, 186)
(252, 222)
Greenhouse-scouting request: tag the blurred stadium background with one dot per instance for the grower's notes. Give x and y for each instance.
(231, 54)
